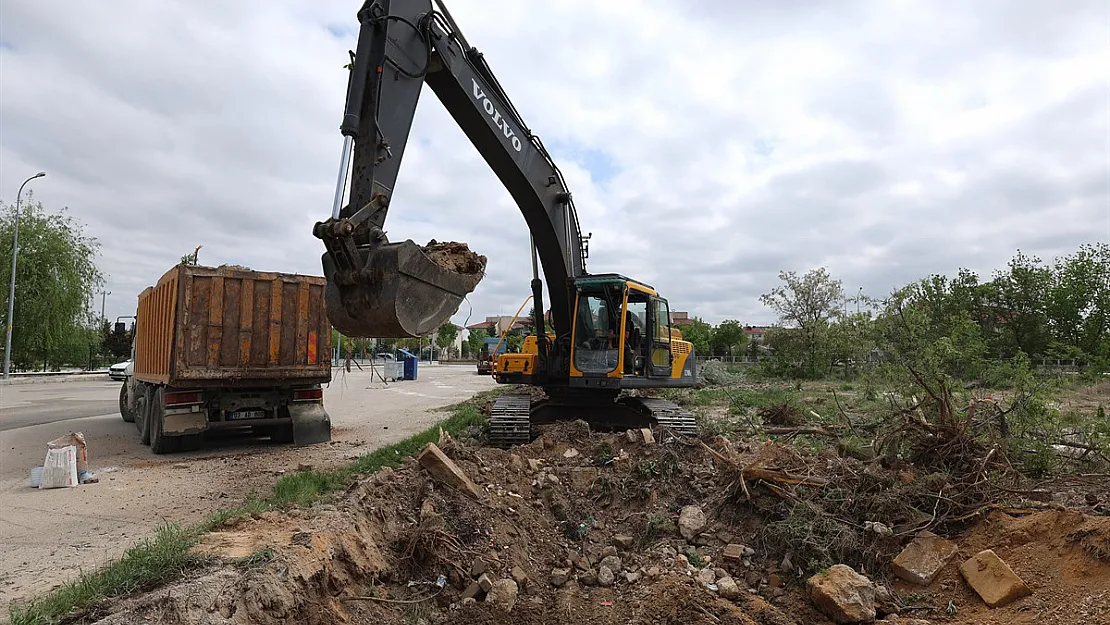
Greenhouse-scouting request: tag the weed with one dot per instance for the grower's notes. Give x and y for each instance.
(646, 469)
(259, 557)
(603, 454)
(694, 558)
(655, 525)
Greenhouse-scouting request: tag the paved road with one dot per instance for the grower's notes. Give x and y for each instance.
(23, 405)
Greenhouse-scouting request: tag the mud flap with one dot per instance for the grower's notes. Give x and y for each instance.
(311, 424)
(402, 293)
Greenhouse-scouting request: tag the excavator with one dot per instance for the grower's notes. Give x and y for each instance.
(610, 334)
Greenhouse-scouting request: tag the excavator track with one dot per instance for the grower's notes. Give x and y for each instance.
(513, 415)
(510, 421)
(666, 414)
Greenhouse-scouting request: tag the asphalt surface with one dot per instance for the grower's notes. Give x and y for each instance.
(39, 403)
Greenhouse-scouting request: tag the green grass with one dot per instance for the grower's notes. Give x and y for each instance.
(167, 555)
(160, 558)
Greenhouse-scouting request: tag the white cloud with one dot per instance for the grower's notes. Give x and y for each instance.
(887, 140)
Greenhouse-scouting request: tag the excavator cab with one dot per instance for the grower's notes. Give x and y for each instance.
(623, 338)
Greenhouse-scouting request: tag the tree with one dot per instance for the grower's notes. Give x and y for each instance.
(727, 337)
(1019, 299)
(1078, 302)
(446, 335)
(698, 333)
(474, 341)
(56, 278)
(810, 303)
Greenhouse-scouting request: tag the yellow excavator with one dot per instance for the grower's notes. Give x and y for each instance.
(610, 334)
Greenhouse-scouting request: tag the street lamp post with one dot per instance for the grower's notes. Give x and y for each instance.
(103, 299)
(11, 288)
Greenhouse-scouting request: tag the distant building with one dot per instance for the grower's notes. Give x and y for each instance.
(756, 334)
(681, 318)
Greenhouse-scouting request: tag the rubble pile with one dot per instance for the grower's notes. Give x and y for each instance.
(630, 527)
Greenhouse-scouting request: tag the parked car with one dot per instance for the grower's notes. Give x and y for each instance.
(118, 371)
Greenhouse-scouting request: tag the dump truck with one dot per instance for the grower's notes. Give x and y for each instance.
(486, 355)
(229, 347)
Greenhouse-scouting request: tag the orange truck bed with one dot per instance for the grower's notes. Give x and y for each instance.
(231, 326)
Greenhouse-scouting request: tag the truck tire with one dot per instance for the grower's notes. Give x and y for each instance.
(142, 412)
(125, 412)
(160, 443)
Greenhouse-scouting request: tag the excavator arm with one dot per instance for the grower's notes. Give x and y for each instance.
(383, 289)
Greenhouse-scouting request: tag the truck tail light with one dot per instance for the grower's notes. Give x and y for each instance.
(308, 394)
(184, 398)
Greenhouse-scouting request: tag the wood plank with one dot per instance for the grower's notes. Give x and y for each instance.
(246, 317)
(275, 321)
(215, 321)
(302, 327)
(229, 332)
(260, 329)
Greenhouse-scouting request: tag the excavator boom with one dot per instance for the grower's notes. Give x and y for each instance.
(383, 289)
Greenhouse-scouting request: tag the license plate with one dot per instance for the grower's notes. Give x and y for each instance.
(247, 414)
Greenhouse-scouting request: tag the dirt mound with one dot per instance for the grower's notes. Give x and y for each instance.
(606, 528)
(455, 256)
(1061, 554)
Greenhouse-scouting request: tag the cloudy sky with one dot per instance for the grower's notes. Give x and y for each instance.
(709, 144)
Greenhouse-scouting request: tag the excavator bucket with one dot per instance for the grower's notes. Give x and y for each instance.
(409, 290)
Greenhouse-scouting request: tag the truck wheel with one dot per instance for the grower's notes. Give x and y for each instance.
(159, 442)
(142, 414)
(127, 414)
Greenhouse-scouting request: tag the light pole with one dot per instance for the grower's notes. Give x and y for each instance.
(11, 289)
(103, 297)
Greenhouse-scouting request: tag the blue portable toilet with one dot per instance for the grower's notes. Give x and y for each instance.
(410, 364)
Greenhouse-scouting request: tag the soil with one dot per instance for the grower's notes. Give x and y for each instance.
(562, 502)
(455, 256)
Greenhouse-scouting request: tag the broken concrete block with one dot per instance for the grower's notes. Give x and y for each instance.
(485, 582)
(516, 463)
(570, 453)
(605, 576)
(843, 595)
(478, 567)
(613, 562)
(623, 542)
(443, 469)
(734, 552)
(633, 577)
(471, 592)
(534, 465)
(502, 594)
(559, 577)
(727, 588)
(588, 577)
(707, 576)
(922, 559)
(649, 438)
(519, 575)
(993, 580)
(691, 521)
(609, 550)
